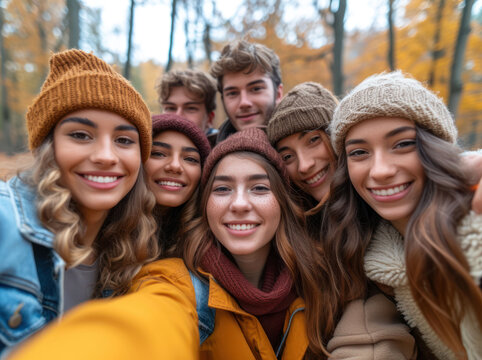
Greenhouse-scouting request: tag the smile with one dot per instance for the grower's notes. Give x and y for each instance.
(317, 177)
(241, 227)
(169, 183)
(390, 191)
(101, 179)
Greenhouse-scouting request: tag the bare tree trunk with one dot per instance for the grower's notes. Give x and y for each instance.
(171, 36)
(5, 120)
(339, 27)
(189, 52)
(437, 52)
(391, 36)
(456, 86)
(127, 67)
(73, 21)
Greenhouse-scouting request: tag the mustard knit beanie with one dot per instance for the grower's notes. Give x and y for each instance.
(308, 106)
(78, 80)
(391, 95)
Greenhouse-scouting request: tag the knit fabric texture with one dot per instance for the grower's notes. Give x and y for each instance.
(252, 139)
(177, 123)
(78, 80)
(391, 95)
(308, 106)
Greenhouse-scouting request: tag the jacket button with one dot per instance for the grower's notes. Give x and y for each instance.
(16, 318)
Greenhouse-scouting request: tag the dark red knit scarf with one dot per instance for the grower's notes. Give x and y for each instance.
(268, 304)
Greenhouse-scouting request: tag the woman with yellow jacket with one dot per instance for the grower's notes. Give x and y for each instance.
(251, 286)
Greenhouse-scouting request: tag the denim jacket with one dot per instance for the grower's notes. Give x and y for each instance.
(31, 272)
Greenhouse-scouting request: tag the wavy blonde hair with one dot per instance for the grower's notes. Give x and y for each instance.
(125, 241)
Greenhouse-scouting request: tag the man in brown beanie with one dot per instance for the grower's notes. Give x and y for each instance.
(249, 81)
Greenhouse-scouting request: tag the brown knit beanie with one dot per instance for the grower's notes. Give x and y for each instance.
(78, 80)
(308, 106)
(253, 140)
(391, 95)
(177, 123)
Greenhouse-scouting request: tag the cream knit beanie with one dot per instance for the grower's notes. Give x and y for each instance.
(391, 95)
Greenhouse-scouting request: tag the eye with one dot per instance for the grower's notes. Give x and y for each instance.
(192, 109)
(357, 153)
(192, 159)
(157, 154)
(230, 93)
(405, 143)
(221, 189)
(257, 88)
(124, 140)
(286, 157)
(80, 135)
(261, 188)
(169, 109)
(315, 139)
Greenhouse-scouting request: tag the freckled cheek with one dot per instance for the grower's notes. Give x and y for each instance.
(269, 205)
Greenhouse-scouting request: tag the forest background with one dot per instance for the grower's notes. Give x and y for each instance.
(438, 41)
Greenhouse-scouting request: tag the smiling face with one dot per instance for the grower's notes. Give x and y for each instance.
(173, 169)
(99, 157)
(308, 161)
(249, 99)
(384, 167)
(183, 103)
(242, 211)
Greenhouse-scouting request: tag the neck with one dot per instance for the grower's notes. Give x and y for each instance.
(252, 265)
(400, 225)
(92, 222)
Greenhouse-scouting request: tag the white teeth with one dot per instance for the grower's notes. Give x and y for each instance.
(317, 177)
(170, 183)
(101, 179)
(241, 227)
(391, 191)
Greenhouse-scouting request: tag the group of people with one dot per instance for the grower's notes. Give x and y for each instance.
(304, 228)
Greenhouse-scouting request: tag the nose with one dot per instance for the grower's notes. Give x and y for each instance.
(305, 162)
(241, 201)
(245, 100)
(174, 164)
(104, 152)
(180, 111)
(382, 167)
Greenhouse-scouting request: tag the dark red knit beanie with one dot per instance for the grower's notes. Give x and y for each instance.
(251, 139)
(174, 122)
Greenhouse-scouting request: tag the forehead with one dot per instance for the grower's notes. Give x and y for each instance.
(377, 127)
(238, 165)
(241, 78)
(174, 138)
(180, 95)
(296, 139)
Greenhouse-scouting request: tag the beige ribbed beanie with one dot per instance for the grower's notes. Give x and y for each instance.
(308, 106)
(391, 95)
(78, 80)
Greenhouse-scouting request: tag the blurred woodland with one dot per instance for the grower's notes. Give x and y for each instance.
(437, 41)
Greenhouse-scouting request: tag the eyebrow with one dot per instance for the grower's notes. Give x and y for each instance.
(254, 82)
(303, 133)
(388, 135)
(253, 177)
(87, 122)
(169, 146)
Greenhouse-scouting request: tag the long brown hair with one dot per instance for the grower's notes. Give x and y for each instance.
(125, 241)
(312, 276)
(436, 268)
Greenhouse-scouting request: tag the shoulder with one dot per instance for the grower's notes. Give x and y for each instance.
(469, 235)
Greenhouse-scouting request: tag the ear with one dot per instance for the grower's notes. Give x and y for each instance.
(209, 123)
(279, 94)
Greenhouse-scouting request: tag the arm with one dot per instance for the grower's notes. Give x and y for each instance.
(371, 329)
(157, 322)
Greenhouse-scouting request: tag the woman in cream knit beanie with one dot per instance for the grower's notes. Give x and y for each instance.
(83, 205)
(401, 199)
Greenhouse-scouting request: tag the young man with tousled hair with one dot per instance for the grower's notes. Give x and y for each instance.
(190, 94)
(249, 80)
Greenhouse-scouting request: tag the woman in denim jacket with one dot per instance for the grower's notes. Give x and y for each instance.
(83, 205)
